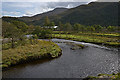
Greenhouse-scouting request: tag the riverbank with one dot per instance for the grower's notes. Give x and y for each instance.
(29, 52)
(107, 40)
(104, 76)
(75, 63)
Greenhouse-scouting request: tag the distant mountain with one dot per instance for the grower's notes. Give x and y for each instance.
(99, 13)
(9, 19)
(40, 16)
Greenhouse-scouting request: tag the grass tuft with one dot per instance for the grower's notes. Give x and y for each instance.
(28, 52)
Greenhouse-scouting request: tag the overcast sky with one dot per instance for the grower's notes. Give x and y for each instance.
(19, 8)
(33, 8)
(58, 0)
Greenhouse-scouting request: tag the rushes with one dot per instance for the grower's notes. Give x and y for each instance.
(28, 51)
(106, 40)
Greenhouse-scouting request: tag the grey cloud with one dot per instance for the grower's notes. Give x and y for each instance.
(41, 7)
(108, 0)
(63, 4)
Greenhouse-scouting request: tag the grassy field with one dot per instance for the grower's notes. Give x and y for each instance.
(28, 52)
(97, 38)
(88, 33)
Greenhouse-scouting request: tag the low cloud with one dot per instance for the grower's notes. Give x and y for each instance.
(69, 6)
(28, 13)
(33, 8)
(23, 5)
(59, 0)
(47, 0)
(10, 13)
(108, 0)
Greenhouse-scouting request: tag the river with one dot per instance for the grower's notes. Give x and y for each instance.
(79, 63)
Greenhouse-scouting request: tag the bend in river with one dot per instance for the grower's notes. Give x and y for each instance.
(78, 63)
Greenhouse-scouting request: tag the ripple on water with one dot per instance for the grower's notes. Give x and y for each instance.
(89, 61)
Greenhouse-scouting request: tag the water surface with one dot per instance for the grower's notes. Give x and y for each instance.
(78, 63)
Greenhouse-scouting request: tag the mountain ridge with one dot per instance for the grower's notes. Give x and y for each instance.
(94, 13)
(49, 13)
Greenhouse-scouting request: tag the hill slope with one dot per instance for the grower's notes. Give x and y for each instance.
(40, 16)
(93, 13)
(100, 13)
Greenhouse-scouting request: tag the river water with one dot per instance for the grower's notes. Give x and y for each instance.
(78, 63)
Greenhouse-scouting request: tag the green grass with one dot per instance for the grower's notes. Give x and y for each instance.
(8, 45)
(75, 46)
(88, 33)
(112, 40)
(101, 34)
(28, 52)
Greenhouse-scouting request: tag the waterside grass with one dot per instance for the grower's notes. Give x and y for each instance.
(104, 77)
(75, 46)
(30, 52)
(106, 40)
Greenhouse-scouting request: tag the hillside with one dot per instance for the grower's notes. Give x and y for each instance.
(93, 13)
(100, 13)
(40, 16)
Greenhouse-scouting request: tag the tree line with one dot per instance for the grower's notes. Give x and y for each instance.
(16, 30)
(83, 28)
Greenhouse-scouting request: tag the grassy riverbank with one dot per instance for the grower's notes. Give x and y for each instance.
(104, 76)
(30, 52)
(97, 38)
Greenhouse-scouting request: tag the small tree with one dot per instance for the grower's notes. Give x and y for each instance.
(30, 29)
(98, 28)
(35, 37)
(68, 28)
(20, 25)
(52, 24)
(37, 30)
(110, 28)
(78, 27)
(47, 21)
(60, 28)
(12, 32)
(91, 29)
